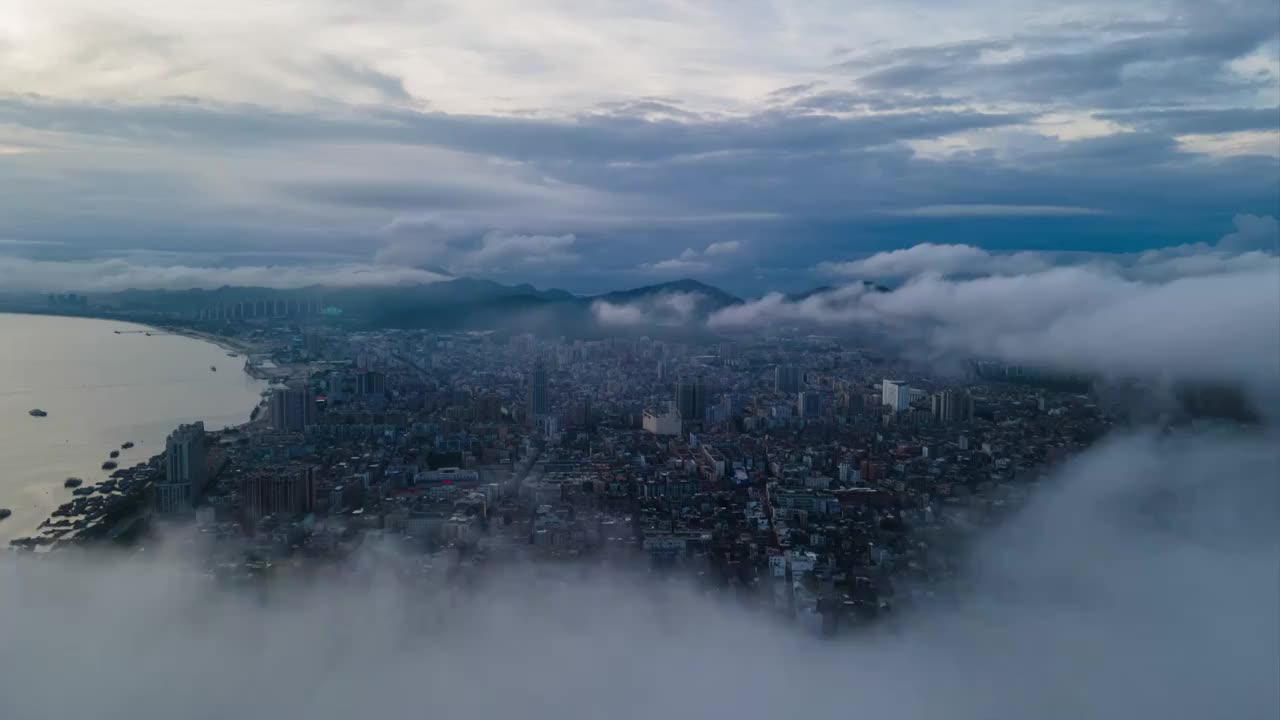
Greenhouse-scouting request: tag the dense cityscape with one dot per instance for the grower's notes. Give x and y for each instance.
(810, 476)
(642, 360)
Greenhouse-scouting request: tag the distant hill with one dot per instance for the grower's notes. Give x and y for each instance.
(714, 296)
(824, 289)
(460, 303)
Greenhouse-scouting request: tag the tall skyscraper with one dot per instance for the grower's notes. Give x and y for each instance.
(292, 409)
(786, 379)
(371, 382)
(185, 472)
(288, 491)
(539, 401)
(810, 405)
(691, 400)
(951, 406)
(896, 394)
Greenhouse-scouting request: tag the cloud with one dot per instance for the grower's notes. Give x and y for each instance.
(1165, 314)
(1253, 233)
(1253, 244)
(1047, 630)
(508, 251)
(672, 309)
(1076, 319)
(943, 259)
(90, 276)
(691, 261)
(429, 240)
(688, 261)
(1200, 120)
(162, 136)
(963, 211)
(724, 247)
(1113, 64)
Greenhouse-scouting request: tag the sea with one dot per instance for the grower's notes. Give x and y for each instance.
(102, 383)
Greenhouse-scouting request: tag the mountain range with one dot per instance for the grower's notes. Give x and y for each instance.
(460, 303)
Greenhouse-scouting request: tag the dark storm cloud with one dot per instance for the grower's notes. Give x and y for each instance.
(832, 162)
(388, 87)
(1202, 121)
(646, 106)
(396, 196)
(599, 138)
(790, 91)
(806, 168)
(847, 101)
(927, 55)
(1111, 68)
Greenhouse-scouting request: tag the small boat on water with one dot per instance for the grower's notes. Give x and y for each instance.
(115, 453)
(72, 482)
(110, 465)
(213, 368)
(37, 412)
(5, 512)
(127, 445)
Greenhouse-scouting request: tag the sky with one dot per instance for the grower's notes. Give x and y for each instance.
(748, 143)
(1085, 605)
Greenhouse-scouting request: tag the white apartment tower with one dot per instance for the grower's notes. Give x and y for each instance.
(896, 394)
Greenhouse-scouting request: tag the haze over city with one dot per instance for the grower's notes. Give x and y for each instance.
(652, 359)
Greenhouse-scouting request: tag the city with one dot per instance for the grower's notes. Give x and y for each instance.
(646, 360)
(795, 473)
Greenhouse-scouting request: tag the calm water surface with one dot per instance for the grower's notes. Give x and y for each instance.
(100, 389)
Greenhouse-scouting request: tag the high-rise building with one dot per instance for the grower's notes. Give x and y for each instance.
(810, 405)
(786, 379)
(185, 471)
(580, 414)
(288, 491)
(664, 421)
(691, 400)
(951, 406)
(488, 407)
(664, 369)
(292, 409)
(371, 382)
(896, 394)
(539, 400)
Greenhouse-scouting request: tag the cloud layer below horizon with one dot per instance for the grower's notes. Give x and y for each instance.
(1202, 312)
(1085, 605)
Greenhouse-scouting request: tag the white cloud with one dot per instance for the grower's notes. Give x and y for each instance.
(1084, 605)
(725, 247)
(943, 259)
(1196, 312)
(686, 262)
(429, 240)
(668, 309)
(1254, 142)
(1252, 245)
(1216, 327)
(692, 261)
(504, 251)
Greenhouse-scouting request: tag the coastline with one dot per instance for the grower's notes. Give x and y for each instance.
(155, 325)
(37, 465)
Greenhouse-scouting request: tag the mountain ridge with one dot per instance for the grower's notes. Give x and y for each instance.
(449, 304)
